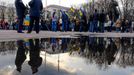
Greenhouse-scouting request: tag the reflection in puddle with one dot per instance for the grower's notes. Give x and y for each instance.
(68, 56)
(34, 54)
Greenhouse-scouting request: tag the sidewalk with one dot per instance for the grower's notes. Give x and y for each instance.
(10, 34)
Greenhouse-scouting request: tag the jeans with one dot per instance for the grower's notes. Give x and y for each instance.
(102, 28)
(72, 26)
(20, 24)
(54, 26)
(118, 29)
(64, 25)
(91, 27)
(111, 27)
(95, 23)
(81, 27)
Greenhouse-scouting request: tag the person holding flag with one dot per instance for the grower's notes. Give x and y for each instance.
(54, 21)
(64, 21)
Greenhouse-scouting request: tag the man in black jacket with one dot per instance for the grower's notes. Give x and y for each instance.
(36, 7)
(102, 18)
(20, 9)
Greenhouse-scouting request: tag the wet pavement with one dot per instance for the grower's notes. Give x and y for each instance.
(13, 35)
(68, 56)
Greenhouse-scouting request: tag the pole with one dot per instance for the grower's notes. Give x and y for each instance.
(59, 9)
(58, 62)
(46, 3)
(93, 5)
(59, 2)
(46, 10)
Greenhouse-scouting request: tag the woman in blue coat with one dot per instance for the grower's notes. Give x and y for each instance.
(54, 21)
(20, 10)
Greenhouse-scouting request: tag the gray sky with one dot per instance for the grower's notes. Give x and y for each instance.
(66, 3)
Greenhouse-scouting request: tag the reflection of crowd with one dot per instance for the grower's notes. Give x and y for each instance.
(102, 51)
(58, 45)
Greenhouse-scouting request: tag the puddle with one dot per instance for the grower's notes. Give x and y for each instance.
(68, 56)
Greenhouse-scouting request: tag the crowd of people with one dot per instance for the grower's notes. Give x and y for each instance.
(36, 7)
(98, 21)
(4, 25)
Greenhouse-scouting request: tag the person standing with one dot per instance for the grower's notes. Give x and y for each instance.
(54, 21)
(36, 7)
(90, 24)
(108, 24)
(127, 26)
(118, 25)
(20, 9)
(95, 21)
(102, 18)
(83, 22)
(64, 21)
(123, 25)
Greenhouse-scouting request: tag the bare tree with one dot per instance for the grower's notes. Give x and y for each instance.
(11, 13)
(128, 8)
(2, 10)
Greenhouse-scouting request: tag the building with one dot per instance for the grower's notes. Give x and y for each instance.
(56, 7)
(51, 8)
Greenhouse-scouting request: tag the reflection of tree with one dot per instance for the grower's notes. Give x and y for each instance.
(127, 53)
(104, 51)
(8, 46)
(99, 51)
(45, 44)
(73, 45)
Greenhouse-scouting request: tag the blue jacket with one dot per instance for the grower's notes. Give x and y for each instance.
(20, 8)
(64, 16)
(36, 7)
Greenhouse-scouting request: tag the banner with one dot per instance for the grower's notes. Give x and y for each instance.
(27, 20)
